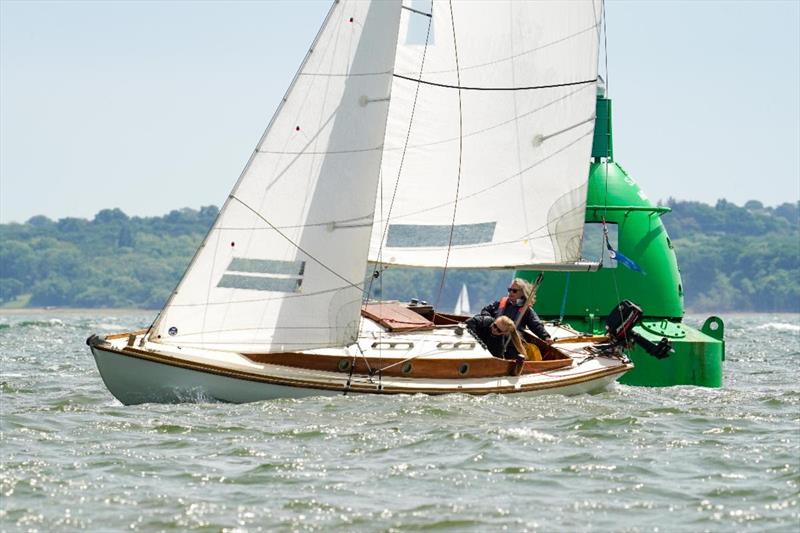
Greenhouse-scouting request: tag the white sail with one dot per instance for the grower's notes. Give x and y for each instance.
(486, 159)
(462, 304)
(282, 268)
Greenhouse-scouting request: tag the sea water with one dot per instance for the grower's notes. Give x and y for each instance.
(630, 459)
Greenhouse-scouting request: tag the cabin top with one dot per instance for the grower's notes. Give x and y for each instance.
(395, 316)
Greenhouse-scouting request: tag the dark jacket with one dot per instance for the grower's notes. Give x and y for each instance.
(480, 326)
(530, 320)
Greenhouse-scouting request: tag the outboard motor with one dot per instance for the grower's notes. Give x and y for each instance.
(619, 327)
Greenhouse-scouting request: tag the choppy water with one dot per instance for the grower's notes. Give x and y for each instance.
(631, 459)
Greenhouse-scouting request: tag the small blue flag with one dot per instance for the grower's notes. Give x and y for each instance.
(630, 263)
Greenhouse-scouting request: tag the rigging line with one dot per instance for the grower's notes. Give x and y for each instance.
(363, 356)
(290, 241)
(520, 54)
(322, 152)
(616, 291)
(603, 250)
(564, 299)
(614, 274)
(353, 365)
(604, 241)
(333, 223)
(376, 267)
(350, 376)
(471, 88)
(380, 280)
(317, 163)
(605, 197)
(194, 333)
(407, 359)
(259, 343)
(311, 140)
(314, 142)
(402, 158)
(344, 74)
(324, 56)
(418, 12)
(511, 265)
(195, 257)
(499, 124)
(370, 372)
(518, 131)
(460, 157)
(283, 296)
(270, 328)
(210, 286)
(185, 338)
(605, 43)
(435, 143)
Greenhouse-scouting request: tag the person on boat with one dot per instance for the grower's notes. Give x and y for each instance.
(519, 292)
(494, 335)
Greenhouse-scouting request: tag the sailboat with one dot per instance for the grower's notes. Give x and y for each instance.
(462, 307)
(456, 136)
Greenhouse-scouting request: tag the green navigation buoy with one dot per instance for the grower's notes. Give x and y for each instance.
(582, 299)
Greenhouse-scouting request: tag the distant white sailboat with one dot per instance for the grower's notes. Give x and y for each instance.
(468, 148)
(462, 304)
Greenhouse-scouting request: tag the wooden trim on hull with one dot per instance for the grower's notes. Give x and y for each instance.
(417, 368)
(125, 335)
(356, 386)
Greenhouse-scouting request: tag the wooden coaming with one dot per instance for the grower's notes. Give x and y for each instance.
(420, 368)
(115, 336)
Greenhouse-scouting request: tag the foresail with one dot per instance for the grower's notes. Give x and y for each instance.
(489, 135)
(282, 268)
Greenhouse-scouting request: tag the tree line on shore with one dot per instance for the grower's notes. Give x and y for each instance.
(732, 258)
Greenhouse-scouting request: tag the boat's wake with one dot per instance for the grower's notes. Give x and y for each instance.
(780, 326)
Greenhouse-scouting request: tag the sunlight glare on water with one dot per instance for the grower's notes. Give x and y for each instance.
(629, 459)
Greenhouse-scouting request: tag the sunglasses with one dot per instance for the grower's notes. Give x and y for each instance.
(512, 289)
(494, 327)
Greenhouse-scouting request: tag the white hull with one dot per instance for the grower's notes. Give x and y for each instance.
(134, 381)
(146, 374)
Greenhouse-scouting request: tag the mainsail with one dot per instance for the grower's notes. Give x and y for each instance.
(282, 268)
(489, 136)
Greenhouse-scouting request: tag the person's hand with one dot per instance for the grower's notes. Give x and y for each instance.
(548, 341)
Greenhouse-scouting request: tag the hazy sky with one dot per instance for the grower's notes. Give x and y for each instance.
(152, 106)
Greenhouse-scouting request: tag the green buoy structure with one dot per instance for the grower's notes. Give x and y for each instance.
(583, 299)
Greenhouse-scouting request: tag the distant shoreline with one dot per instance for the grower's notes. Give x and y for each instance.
(73, 310)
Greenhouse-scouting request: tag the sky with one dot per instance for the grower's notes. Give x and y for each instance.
(153, 106)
